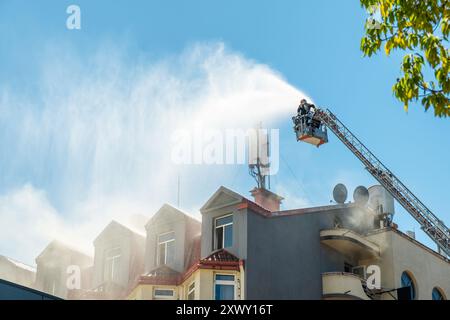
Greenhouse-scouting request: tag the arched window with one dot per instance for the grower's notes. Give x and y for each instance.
(407, 281)
(437, 294)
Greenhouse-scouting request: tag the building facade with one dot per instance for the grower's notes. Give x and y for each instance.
(251, 249)
(254, 250)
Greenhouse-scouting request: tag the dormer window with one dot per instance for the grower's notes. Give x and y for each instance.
(223, 232)
(112, 264)
(166, 248)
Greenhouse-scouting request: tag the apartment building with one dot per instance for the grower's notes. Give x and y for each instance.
(250, 249)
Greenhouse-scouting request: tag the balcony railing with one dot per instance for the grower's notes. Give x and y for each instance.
(342, 286)
(349, 243)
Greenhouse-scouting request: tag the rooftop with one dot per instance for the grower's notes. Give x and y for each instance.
(19, 264)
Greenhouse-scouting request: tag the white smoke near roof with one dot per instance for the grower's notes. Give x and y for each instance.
(27, 222)
(95, 141)
(292, 199)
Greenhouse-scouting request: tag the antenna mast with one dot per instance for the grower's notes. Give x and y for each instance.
(259, 166)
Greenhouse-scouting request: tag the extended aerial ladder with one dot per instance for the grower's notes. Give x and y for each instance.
(311, 128)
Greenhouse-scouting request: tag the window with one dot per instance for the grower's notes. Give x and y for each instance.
(360, 271)
(112, 264)
(224, 287)
(191, 291)
(166, 248)
(347, 267)
(163, 293)
(407, 281)
(224, 232)
(437, 294)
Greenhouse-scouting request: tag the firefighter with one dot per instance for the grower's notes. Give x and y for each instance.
(302, 108)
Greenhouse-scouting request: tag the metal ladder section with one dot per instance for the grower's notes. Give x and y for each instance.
(429, 223)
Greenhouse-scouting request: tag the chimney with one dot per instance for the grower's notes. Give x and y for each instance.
(267, 199)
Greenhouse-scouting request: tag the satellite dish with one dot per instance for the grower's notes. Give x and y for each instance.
(340, 193)
(361, 195)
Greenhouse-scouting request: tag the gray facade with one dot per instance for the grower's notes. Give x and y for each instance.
(286, 256)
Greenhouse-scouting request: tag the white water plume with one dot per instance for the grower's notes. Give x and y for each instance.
(94, 142)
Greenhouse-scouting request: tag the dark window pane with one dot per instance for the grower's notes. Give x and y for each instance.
(347, 267)
(407, 281)
(225, 277)
(224, 292)
(191, 291)
(224, 220)
(161, 292)
(404, 293)
(228, 241)
(219, 238)
(162, 254)
(437, 295)
(170, 248)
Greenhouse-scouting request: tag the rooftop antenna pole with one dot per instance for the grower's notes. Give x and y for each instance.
(257, 169)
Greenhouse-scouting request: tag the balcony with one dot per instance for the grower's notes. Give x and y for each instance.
(342, 286)
(349, 243)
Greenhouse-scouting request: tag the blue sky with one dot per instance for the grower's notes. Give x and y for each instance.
(314, 45)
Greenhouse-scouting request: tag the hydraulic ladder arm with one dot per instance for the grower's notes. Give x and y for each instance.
(429, 223)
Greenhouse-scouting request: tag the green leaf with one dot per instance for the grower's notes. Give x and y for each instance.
(413, 27)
